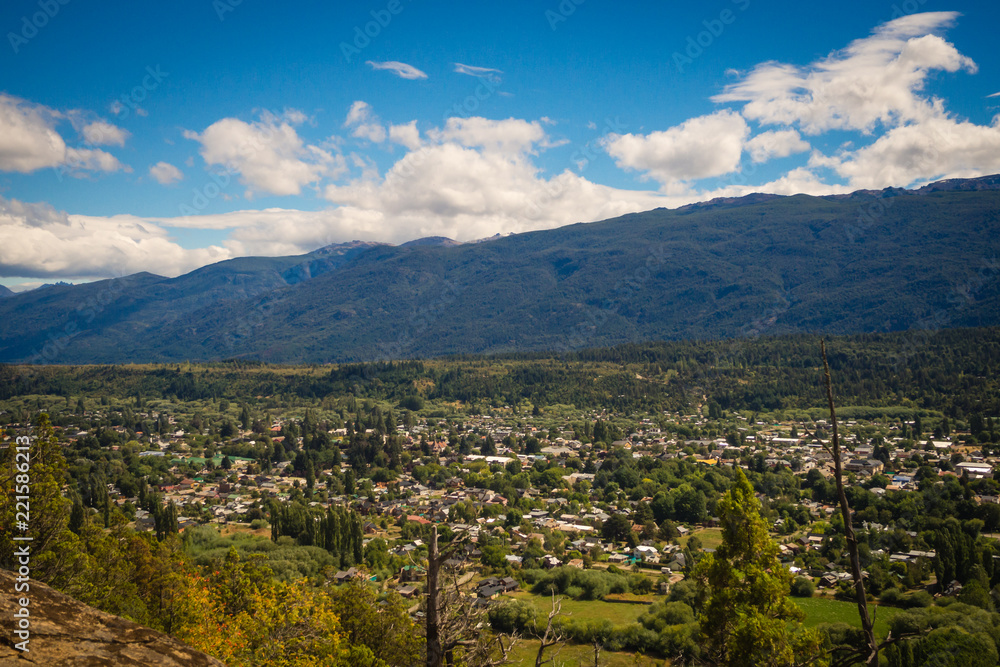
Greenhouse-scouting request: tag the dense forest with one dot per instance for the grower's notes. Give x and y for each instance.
(949, 371)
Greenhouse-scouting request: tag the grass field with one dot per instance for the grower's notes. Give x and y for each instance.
(825, 610)
(619, 614)
(710, 538)
(579, 655)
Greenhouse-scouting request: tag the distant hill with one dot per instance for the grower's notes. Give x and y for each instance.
(5, 292)
(867, 262)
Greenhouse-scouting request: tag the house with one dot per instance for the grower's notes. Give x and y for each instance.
(678, 563)
(343, 576)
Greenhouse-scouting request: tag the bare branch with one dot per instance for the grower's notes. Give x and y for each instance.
(867, 625)
(552, 636)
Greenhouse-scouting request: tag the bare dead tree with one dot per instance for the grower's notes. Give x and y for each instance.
(597, 652)
(552, 635)
(455, 622)
(867, 625)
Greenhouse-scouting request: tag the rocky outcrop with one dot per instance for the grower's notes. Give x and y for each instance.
(66, 632)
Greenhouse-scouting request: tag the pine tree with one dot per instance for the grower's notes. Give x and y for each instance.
(748, 619)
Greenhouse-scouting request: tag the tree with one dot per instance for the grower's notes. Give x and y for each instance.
(867, 626)
(40, 471)
(616, 528)
(551, 637)
(748, 618)
(453, 621)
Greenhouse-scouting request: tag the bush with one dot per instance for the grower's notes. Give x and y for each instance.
(662, 615)
(257, 524)
(896, 598)
(803, 587)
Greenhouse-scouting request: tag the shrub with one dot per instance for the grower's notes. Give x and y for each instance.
(803, 587)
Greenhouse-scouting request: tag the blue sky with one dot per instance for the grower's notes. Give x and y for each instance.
(164, 136)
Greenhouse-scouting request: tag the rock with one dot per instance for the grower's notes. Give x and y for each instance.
(67, 632)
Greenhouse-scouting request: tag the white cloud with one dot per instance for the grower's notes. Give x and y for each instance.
(700, 147)
(27, 139)
(511, 136)
(41, 242)
(101, 133)
(401, 70)
(877, 79)
(406, 135)
(994, 95)
(268, 154)
(776, 143)
(359, 112)
(80, 160)
(366, 125)
(471, 179)
(165, 173)
(488, 73)
(934, 149)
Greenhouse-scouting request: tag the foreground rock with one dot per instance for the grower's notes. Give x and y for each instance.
(67, 632)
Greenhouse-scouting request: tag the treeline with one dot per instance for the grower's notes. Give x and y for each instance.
(952, 371)
(339, 530)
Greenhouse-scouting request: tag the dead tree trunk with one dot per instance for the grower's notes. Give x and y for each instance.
(552, 636)
(434, 653)
(845, 510)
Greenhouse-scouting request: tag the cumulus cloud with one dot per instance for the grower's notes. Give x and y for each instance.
(472, 178)
(42, 242)
(268, 154)
(776, 143)
(364, 123)
(29, 141)
(402, 70)
(81, 160)
(510, 136)
(406, 135)
(700, 147)
(165, 173)
(27, 138)
(934, 149)
(487, 73)
(875, 80)
(102, 133)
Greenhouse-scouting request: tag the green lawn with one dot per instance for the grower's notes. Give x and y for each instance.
(619, 614)
(710, 538)
(578, 655)
(825, 610)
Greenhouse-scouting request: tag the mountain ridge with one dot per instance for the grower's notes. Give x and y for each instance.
(888, 260)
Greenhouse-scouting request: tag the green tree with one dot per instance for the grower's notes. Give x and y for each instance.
(41, 473)
(748, 618)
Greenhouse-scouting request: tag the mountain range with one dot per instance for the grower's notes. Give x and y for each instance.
(869, 261)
